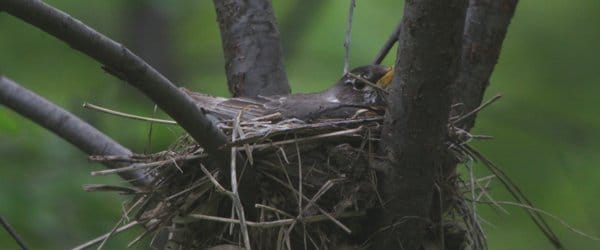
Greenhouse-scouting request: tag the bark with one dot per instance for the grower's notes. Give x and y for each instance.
(66, 125)
(252, 48)
(485, 28)
(415, 123)
(121, 62)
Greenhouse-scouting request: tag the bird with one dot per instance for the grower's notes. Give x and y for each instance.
(361, 88)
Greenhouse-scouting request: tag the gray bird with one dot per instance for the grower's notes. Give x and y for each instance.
(362, 88)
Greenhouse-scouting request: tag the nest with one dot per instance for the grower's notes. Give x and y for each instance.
(302, 186)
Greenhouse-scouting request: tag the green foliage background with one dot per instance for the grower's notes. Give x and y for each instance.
(546, 126)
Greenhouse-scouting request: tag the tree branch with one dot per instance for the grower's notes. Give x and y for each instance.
(413, 136)
(121, 62)
(66, 125)
(252, 48)
(387, 46)
(485, 28)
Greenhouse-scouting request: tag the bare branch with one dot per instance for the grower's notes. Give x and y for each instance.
(485, 28)
(347, 38)
(121, 62)
(387, 46)
(252, 48)
(66, 125)
(415, 124)
(12, 233)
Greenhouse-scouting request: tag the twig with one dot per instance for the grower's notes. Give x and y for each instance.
(373, 85)
(556, 218)
(13, 233)
(309, 138)
(126, 115)
(111, 233)
(387, 46)
(103, 158)
(137, 166)
(111, 188)
(214, 181)
(310, 203)
(474, 111)
(234, 186)
(273, 209)
(277, 223)
(519, 196)
(347, 39)
(104, 236)
(325, 213)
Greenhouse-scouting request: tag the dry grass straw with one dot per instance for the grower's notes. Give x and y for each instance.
(317, 184)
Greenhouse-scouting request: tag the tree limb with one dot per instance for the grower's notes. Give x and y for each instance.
(121, 62)
(485, 28)
(387, 46)
(413, 136)
(252, 48)
(66, 125)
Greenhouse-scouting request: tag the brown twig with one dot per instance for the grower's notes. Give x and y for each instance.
(105, 236)
(138, 166)
(130, 116)
(277, 223)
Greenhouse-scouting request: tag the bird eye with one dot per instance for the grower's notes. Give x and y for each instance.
(349, 81)
(359, 85)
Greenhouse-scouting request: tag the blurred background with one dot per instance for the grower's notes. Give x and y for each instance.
(546, 128)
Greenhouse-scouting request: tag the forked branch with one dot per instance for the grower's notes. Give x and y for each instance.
(122, 63)
(66, 125)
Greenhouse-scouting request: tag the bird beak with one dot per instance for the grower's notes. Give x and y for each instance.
(386, 79)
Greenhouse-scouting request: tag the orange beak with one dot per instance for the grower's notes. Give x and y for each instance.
(386, 79)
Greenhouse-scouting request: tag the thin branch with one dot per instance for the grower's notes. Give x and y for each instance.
(387, 46)
(126, 115)
(252, 48)
(486, 25)
(347, 37)
(137, 166)
(276, 223)
(122, 63)
(105, 236)
(554, 217)
(13, 233)
(66, 125)
(234, 186)
(476, 110)
(416, 120)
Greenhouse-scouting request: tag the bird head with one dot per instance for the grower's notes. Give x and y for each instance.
(361, 86)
